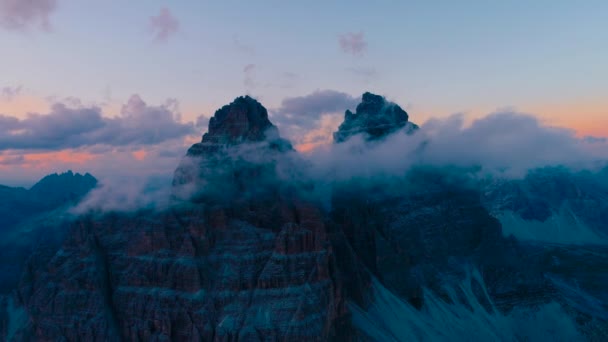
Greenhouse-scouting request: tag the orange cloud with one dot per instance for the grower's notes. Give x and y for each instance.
(45, 160)
(321, 135)
(307, 147)
(139, 154)
(64, 156)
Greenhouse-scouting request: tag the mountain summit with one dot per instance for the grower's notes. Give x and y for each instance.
(238, 131)
(375, 117)
(244, 120)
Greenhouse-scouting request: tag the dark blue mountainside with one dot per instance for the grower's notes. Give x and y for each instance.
(254, 249)
(35, 216)
(51, 192)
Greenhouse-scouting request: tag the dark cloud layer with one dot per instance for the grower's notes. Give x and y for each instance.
(164, 25)
(22, 15)
(72, 127)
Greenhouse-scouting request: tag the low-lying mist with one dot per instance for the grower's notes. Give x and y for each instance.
(505, 145)
(501, 144)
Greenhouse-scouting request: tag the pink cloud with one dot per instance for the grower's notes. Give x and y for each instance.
(75, 125)
(164, 25)
(9, 93)
(22, 15)
(353, 43)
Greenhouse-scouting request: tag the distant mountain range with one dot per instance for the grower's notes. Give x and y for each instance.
(254, 248)
(30, 217)
(51, 192)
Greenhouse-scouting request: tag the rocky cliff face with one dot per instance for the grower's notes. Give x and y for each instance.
(248, 253)
(220, 274)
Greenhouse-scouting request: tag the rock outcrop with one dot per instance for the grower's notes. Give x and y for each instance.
(240, 147)
(244, 120)
(375, 117)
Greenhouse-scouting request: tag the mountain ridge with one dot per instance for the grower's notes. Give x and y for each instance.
(28, 217)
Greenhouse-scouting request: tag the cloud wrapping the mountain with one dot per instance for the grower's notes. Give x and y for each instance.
(72, 127)
(20, 15)
(503, 144)
(506, 144)
(127, 194)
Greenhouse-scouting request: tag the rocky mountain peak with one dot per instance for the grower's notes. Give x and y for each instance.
(375, 116)
(244, 120)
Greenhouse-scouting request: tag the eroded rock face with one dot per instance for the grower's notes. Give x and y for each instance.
(422, 232)
(375, 117)
(250, 272)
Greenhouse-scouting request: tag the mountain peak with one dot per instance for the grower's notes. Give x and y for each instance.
(65, 186)
(244, 120)
(374, 116)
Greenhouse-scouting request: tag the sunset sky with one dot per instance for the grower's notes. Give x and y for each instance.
(111, 85)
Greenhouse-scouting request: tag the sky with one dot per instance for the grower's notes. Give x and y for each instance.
(124, 87)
